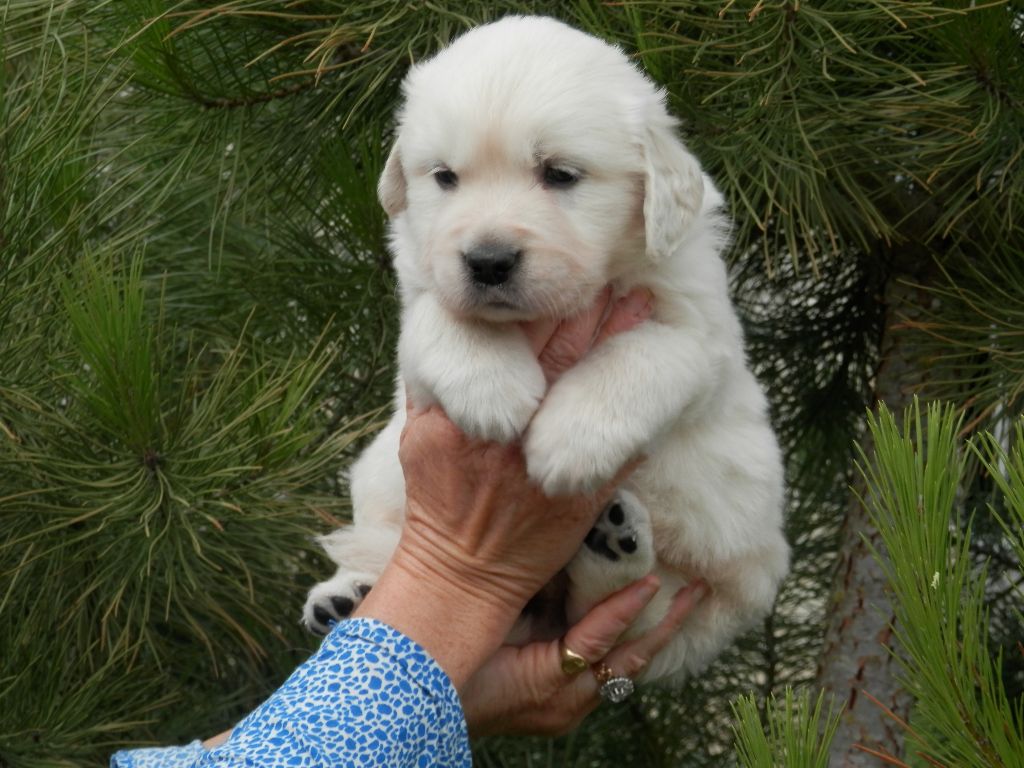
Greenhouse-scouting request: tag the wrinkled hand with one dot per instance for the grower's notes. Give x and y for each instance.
(474, 524)
(473, 519)
(524, 690)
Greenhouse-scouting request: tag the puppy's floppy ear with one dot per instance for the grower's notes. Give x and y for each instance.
(391, 187)
(673, 189)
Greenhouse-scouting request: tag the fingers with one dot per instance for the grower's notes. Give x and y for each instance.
(596, 635)
(524, 690)
(572, 339)
(632, 657)
(567, 700)
(414, 415)
(580, 329)
(539, 333)
(430, 424)
(560, 345)
(412, 412)
(626, 313)
(216, 741)
(597, 632)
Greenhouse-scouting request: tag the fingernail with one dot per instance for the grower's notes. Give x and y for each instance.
(637, 302)
(647, 586)
(697, 590)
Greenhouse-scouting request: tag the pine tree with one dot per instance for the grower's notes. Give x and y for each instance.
(197, 319)
(964, 710)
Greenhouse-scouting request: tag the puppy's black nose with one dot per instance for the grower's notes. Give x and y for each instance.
(492, 263)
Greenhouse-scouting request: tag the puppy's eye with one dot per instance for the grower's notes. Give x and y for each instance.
(446, 178)
(559, 178)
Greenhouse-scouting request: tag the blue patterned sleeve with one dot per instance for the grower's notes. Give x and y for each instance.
(369, 697)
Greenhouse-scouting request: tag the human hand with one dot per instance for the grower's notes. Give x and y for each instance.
(524, 690)
(437, 444)
(478, 534)
(559, 345)
(472, 503)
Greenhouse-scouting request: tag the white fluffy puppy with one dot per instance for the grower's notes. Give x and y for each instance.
(534, 165)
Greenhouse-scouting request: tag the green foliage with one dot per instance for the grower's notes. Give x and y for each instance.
(974, 331)
(796, 734)
(802, 108)
(120, 388)
(133, 501)
(962, 714)
(1006, 467)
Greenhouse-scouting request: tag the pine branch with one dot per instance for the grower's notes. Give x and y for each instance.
(962, 714)
(792, 731)
(249, 101)
(233, 150)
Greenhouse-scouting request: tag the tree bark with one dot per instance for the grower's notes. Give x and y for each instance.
(857, 664)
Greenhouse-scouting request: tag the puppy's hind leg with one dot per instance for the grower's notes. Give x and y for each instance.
(362, 553)
(362, 550)
(618, 550)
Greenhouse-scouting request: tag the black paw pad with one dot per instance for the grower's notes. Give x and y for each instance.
(616, 516)
(342, 605)
(322, 617)
(597, 541)
(363, 589)
(628, 544)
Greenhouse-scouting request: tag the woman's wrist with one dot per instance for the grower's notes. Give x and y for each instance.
(443, 607)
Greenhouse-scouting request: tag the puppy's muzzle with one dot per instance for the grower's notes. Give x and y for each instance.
(491, 264)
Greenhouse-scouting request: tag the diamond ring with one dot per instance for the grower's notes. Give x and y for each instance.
(613, 689)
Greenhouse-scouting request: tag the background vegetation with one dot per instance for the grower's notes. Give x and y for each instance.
(197, 318)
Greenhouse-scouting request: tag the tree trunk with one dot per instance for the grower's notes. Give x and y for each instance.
(856, 663)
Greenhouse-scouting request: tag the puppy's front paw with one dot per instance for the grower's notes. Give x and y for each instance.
(493, 404)
(334, 600)
(567, 452)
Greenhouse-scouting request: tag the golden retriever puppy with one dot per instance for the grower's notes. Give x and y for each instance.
(534, 165)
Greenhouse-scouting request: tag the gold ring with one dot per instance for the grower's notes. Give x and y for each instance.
(612, 687)
(572, 663)
(602, 672)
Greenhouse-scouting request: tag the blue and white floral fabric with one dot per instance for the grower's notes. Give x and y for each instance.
(369, 697)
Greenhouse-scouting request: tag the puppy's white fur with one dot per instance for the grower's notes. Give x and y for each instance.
(497, 107)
